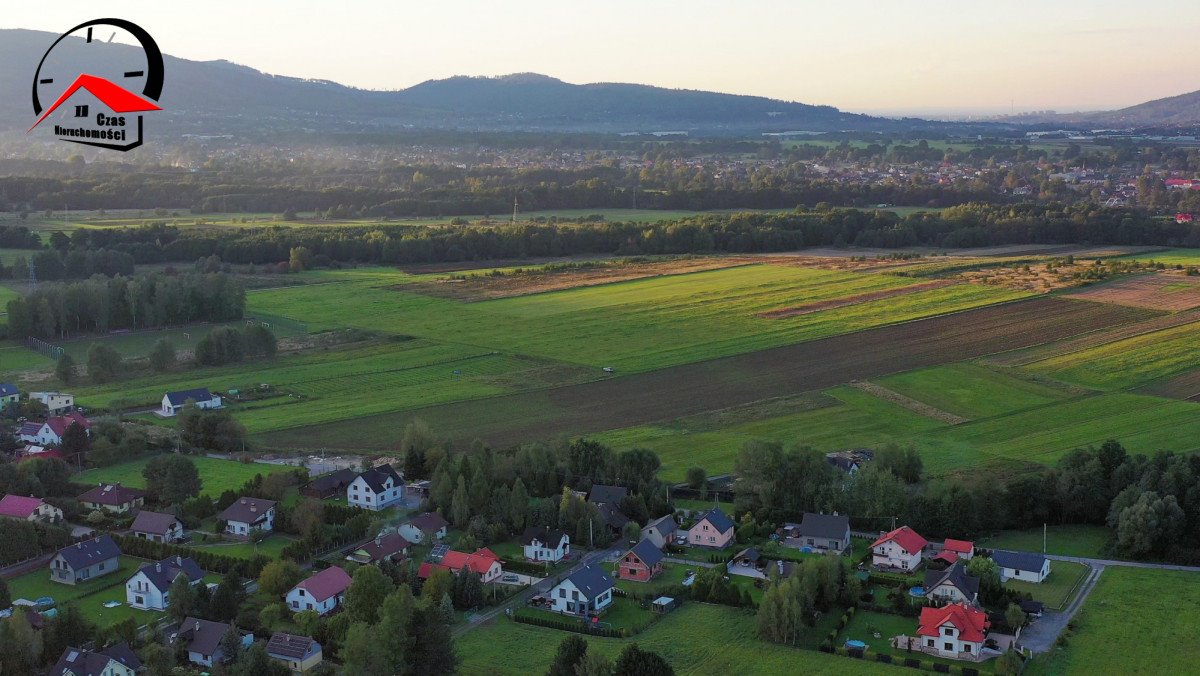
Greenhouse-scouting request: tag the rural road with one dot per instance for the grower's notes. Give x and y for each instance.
(1128, 564)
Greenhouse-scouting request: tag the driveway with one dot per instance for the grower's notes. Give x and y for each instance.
(1041, 634)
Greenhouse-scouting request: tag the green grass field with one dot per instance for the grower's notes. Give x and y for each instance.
(270, 547)
(730, 646)
(673, 574)
(90, 596)
(1060, 586)
(217, 475)
(1073, 540)
(863, 625)
(1169, 257)
(1136, 621)
(1129, 362)
(971, 390)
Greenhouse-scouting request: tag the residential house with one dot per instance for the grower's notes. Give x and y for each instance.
(587, 591)
(425, 527)
(661, 531)
(113, 498)
(850, 461)
(952, 585)
(713, 529)
(85, 560)
(203, 640)
(28, 432)
(300, 654)
(375, 489)
(830, 532)
(9, 395)
(330, 485)
(898, 550)
(56, 403)
(115, 660)
(150, 586)
(157, 527)
(614, 519)
(483, 561)
(1021, 566)
(247, 515)
(601, 494)
(29, 509)
(33, 452)
(957, 631)
(50, 433)
(385, 547)
(173, 402)
(747, 558)
(642, 563)
(321, 592)
(953, 551)
(544, 544)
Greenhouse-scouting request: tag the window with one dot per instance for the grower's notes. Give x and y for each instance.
(141, 601)
(966, 648)
(711, 539)
(949, 647)
(930, 643)
(631, 571)
(562, 593)
(947, 631)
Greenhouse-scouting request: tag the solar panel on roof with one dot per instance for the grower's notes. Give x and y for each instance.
(438, 552)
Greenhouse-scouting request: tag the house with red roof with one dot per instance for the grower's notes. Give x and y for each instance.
(962, 549)
(29, 509)
(50, 433)
(957, 631)
(482, 561)
(898, 550)
(321, 592)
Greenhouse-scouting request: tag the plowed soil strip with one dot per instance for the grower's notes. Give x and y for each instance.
(1156, 291)
(1104, 336)
(1185, 386)
(689, 389)
(808, 308)
(909, 403)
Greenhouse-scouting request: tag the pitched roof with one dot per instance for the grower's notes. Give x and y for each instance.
(956, 575)
(202, 636)
(30, 429)
(480, 561)
(152, 522)
(1019, 560)
(612, 516)
(247, 510)
(290, 646)
(59, 424)
(749, 553)
(591, 581)
(972, 623)
(19, 506)
(648, 553)
(718, 519)
(428, 522)
(958, 546)
(385, 546)
(945, 555)
(92, 663)
(195, 394)
(665, 525)
(112, 494)
(326, 584)
(601, 493)
(375, 477)
(89, 552)
(163, 573)
(907, 538)
(548, 538)
(8, 389)
(338, 479)
(833, 526)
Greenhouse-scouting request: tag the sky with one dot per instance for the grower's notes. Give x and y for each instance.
(877, 56)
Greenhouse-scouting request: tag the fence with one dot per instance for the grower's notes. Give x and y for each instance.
(47, 350)
(278, 323)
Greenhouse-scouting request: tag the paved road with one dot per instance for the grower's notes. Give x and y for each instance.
(1103, 563)
(1043, 632)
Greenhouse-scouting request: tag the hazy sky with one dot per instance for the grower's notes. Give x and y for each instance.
(861, 55)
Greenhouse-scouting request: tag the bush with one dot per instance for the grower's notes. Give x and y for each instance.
(941, 668)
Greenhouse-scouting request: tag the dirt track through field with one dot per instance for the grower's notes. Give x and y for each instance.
(808, 308)
(918, 407)
(679, 391)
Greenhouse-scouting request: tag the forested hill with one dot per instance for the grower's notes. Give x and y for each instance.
(218, 96)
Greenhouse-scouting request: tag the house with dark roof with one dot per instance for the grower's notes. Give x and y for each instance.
(899, 549)
(713, 529)
(113, 498)
(203, 640)
(300, 654)
(1021, 566)
(28, 432)
(329, 485)
(957, 631)
(9, 395)
(156, 527)
(173, 402)
(828, 532)
(115, 660)
(85, 560)
(376, 488)
(247, 515)
(601, 494)
(149, 588)
(586, 592)
(50, 433)
(544, 544)
(614, 519)
(952, 585)
(321, 592)
(385, 547)
(661, 531)
(641, 563)
(29, 509)
(56, 403)
(424, 527)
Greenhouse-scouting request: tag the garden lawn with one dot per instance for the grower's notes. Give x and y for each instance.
(698, 640)
(1073, 540)
(270, 547)
(15, 357)
(621, 614)
(860, 629)
(1058, 589)
(90, 596)
(673, 574)
(1112, 632)
(971, 391)
(216, 475)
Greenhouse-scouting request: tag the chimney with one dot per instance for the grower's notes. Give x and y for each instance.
(243, 501)
(158, 567)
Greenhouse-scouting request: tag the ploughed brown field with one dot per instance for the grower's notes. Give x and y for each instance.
(1169, 291)
(1103, 336)
(1184, 386)
(674, 392)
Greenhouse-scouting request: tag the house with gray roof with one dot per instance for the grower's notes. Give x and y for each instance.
(173, 402)
(115, 660)
(588, 591)
(830, 532)
(9, 395)
(601, 494)
(714, 529)
(953, 585)
(661, 531)
(203, 640)
(156, 527)
(300, 654)
(376, 488)
(85, 560)
(1021, 566)
(150, 587)
(246, 515)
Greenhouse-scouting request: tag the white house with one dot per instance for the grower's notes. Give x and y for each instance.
(1021, 566)
(661, 531)
(203, 640)
(956, 631)
(375, 489)
(156, 526)
(115, 660)
(587, 591)
(173, 402)
(149, 588)
(56, 403)
(321, 592)
(543, 544)
(29, 509)
(50, 433)
(425, 527)
(898, 550)
(247, 515)
(952, 585)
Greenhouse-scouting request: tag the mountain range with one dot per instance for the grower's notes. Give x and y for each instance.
(219, 97)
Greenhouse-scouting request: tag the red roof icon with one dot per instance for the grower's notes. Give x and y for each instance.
(118, 99)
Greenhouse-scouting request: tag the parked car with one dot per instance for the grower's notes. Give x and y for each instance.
(510, 577)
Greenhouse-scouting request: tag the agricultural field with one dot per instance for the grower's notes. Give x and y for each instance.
(1074, 540)
(971, 390)
(217, 476)
(1170, 257)
(1129, 603)
(1170, 292)
(1129, 362)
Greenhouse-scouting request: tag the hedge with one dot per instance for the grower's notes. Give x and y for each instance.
(576, 626)
(211, 561)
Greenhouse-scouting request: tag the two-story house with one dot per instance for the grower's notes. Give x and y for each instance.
(149, 588)
(898, 550)
(544, 544)
(957, 631)
(157, 527)
(85, 560)
(713, 529)
(29, 509)
(115, 660)
(661, 531)
(641, 563)
(376, 488)
(952, 585)
(321, 592)
(56, 403)
(113, 498)
(588, 591)
(247, 515)
(204, 640)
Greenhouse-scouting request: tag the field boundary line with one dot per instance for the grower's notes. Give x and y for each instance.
(905, 401)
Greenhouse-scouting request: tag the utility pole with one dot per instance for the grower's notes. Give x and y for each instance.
(1044, 536)
(514, 219)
